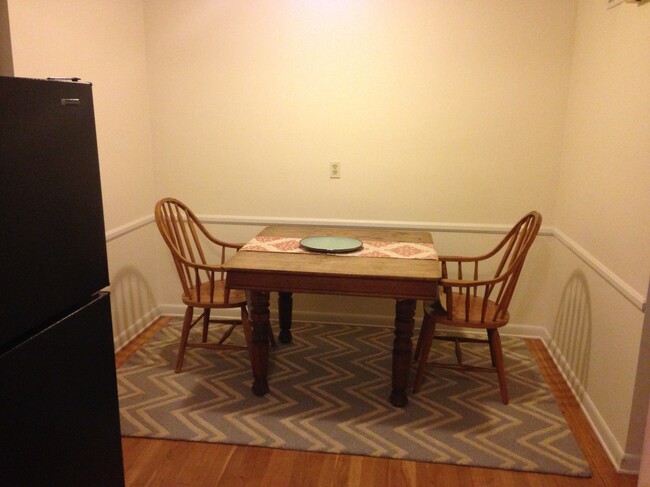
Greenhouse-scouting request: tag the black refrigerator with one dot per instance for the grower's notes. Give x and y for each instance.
(59, 417)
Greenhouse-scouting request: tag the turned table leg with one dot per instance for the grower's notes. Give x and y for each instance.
(285, 310)
(260, 341)
(402, 348)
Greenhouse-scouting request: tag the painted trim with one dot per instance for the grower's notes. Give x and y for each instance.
(134, 329)
(599, 426)
(389, 224)
(513, 329)
(128, 227)
(616, 282)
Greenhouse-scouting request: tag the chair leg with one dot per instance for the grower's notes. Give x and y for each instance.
(246, 325)
(206, 324)
(418, 345)
(493, 355)
(497, 354)
(427, 332)
(271, 337)
(458, 351)
(187, 324)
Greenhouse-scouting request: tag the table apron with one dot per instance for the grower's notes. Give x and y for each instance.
(348, 285)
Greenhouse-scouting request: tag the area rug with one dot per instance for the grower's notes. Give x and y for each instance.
(329, 393)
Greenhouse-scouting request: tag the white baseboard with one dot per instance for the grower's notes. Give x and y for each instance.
(603, 271)
(630, 465)
(125, 336)
(306, 316)
(623, 462)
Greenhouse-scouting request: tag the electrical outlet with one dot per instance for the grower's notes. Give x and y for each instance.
(335, 170)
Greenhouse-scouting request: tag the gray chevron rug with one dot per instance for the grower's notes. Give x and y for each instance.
(329, 393)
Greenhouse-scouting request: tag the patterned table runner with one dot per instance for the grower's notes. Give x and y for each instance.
(371, 248)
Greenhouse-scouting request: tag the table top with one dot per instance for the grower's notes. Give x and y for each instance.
(336, 274)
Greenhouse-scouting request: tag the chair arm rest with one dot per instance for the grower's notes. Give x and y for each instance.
(459, 258)
(199, 266)
(470, 283)
(223, 243)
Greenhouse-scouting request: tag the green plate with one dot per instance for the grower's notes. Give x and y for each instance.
(331, 245)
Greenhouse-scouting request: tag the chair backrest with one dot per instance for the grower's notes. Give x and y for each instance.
(509, 255)
(186, 237)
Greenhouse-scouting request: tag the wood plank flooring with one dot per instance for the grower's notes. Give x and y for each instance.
(162, 463)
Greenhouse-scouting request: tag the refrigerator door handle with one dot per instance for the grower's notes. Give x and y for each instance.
(70, 101)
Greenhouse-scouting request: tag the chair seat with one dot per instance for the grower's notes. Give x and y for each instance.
(475, 311)
(217, 300)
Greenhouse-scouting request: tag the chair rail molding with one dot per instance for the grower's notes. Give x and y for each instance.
(616, 282)
(389, 224)
(608, 275)
(128, 227)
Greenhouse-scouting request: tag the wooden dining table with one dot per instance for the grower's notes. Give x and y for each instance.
(406, 280)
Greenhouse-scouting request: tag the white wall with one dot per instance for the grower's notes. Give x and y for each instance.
(460, 113)
(438, 111)
(602, 205)
(602, 202)
(102, 42)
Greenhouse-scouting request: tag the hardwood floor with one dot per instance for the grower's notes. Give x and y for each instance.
(151, 462)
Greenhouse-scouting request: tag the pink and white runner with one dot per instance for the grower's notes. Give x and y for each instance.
(371, 248)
